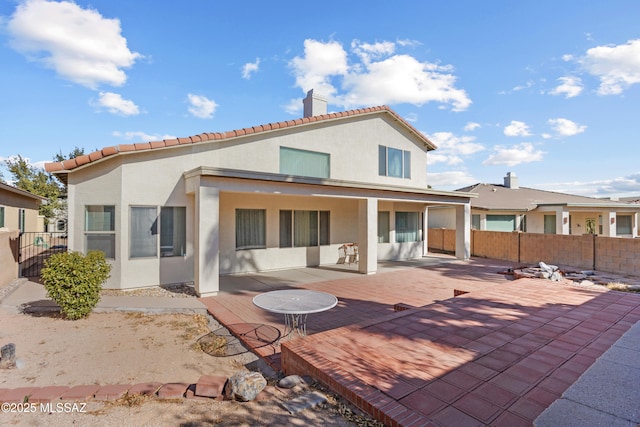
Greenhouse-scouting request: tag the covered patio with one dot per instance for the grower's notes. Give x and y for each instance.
(498, 355)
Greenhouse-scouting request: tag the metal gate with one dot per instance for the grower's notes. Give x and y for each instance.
(36, 247)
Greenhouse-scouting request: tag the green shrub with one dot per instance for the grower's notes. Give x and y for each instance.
(74, 280)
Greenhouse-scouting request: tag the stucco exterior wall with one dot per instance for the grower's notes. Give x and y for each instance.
(156, 178)
(13, 203)
(9, 242)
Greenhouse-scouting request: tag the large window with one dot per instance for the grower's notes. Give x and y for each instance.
(407, 227)
(623, 225)
(304, 163)
(394, 162)
(251, 229)
(383, 227)
(100, 229)
(304, 228)
(549, 224)
(143, 239)
(173, 231)
(501, 222)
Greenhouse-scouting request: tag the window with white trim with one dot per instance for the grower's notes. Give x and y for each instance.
(251, 228)
(304, 228)
(100, 229)
(143, 237)
(297, 162)
(394, 162)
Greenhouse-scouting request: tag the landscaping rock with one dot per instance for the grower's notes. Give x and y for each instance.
(244, 386)
(290, 381)
(8, 356)
(304, 402)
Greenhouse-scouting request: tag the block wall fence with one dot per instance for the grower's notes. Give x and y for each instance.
(588, 251)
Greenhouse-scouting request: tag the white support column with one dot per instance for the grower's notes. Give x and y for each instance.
(368, 236)
(425, 227)
(609, 224)
(634, 224)
(562, 222)
(207, 241)
(463, 231)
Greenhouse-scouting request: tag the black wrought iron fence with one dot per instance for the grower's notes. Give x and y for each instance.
(36, 247)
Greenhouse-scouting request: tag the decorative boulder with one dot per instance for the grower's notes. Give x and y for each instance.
(8, 356)
(244, 386)
(290, 381)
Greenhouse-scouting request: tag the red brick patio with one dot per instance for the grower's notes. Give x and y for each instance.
(498, 355)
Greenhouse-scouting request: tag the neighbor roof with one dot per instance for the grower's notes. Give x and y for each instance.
(500, 197)
(61, 168)
(20, 192)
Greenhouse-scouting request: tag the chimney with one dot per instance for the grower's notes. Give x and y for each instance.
(314, 105)
(511, 181)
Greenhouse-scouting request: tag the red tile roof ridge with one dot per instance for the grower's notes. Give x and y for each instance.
(64, 166)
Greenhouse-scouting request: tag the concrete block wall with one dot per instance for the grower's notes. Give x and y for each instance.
(587, 251)
(618, 255)
(495, 244)
(557, 249)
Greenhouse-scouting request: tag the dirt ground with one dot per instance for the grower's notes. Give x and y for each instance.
(121, 348)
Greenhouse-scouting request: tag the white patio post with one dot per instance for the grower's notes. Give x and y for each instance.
(463, 231)
(207, 241)
(368, 235)
(562, 222)
(425, 227)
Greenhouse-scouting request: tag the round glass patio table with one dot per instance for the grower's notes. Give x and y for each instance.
(295, 304)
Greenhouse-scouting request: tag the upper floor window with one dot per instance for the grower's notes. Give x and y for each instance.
(304, 163)
(100, 229)
(394, 162)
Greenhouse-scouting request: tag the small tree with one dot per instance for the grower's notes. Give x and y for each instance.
(74, 280)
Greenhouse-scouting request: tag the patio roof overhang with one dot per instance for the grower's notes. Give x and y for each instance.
(270, 183)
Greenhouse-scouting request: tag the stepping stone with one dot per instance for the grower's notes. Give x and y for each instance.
(17, 395)
(211, 386)
(173, 391)
(47, 394)
(80, 392)
(304, 402)
(145, 389)
(112, 392)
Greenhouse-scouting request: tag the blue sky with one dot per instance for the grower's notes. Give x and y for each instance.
(548, 90)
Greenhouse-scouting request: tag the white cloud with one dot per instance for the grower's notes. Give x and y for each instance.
(250, 68)
(565, 127)
(570, 87)
(141, 136)
(321, 61)
(451, 148)
(471, 126)
(450, 179)
(624, 186)
(80, 44)
(516, 128)
(115, 104)
(515, 155)
(201, 106)
(376, 75)
(617, 66)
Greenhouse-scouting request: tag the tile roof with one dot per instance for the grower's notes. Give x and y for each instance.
(499, 197)
(68, 165)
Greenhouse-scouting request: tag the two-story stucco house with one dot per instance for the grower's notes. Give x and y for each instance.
(276, 196)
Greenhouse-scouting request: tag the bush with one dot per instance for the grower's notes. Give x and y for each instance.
(74, 280)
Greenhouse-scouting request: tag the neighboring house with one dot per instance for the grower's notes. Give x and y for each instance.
(19, 209)
(510, 207)
(275, 196)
